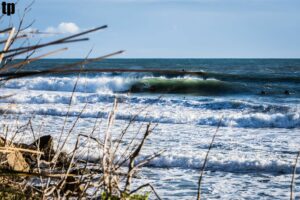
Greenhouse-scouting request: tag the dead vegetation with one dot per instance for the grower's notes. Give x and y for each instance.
(38, 170)
(41, 170)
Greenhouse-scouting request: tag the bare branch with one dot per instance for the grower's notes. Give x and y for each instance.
(293, 177)
(206, 159)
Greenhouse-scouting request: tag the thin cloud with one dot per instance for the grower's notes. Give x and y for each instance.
(64, 27)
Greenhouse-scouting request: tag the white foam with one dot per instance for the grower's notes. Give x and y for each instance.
(256, 120)
(102, 84)
(101, 93)
(84, 84)
(159, 113)
(235, 165)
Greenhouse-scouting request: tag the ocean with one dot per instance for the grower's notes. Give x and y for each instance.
(255, 101)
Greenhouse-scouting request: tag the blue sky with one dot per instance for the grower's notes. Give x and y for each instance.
(177, 28)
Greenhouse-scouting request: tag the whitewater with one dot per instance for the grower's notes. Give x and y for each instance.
(256, 102)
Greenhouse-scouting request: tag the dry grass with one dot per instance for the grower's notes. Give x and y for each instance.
(55, 174)
(41, 171)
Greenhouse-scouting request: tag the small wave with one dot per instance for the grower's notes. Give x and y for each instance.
(209, 118)
(212, 104)
(233, 166)
(255, 120)
(60, 98)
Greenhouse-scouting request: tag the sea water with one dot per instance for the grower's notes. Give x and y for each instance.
(256, 102)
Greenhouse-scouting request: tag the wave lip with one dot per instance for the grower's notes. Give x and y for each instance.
(105, 84)
(186, 85)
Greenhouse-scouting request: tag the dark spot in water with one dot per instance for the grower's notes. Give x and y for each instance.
(286, 92)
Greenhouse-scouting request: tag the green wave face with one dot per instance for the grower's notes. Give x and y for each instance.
(185, 86)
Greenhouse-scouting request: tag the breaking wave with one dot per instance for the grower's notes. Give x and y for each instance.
(235, 166)
(120, 84)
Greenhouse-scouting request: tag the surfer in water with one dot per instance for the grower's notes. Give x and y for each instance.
(286, 92)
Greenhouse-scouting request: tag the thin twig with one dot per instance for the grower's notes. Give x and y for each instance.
(28, 61)
(65, 39)
(70, 71)
(146, 185)
(293, 176)
(206, 159)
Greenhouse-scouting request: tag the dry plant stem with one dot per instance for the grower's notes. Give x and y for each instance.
(31, 174)
(149, 158)
(86, 164)
(120, 137)
(27, 50)
(100, 144)
(73, 126)
(13, 149)
(132, 158)
(69, 71)
(144, 162)
(109, 174)
(8, 42)
(38, 156)
(70, 165)
(126, 158)
(146, 185)
(59, 41)
(60, 149)
(293, 177)
(56, 69)
(18, 37)
(19, 130)
(28, 61)
(206, 159)
(6, 30)
(90, 136)
(106, 158)
(69, 107)
(33, 134)
(67, 115)
(86, 61)
(119, 162)
(20, 26)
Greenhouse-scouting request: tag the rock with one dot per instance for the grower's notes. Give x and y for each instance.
(17, 162)
(72, 184)
(44, 142)
(24, 161)
(2, 141)
(15, 159)
(45, 145)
